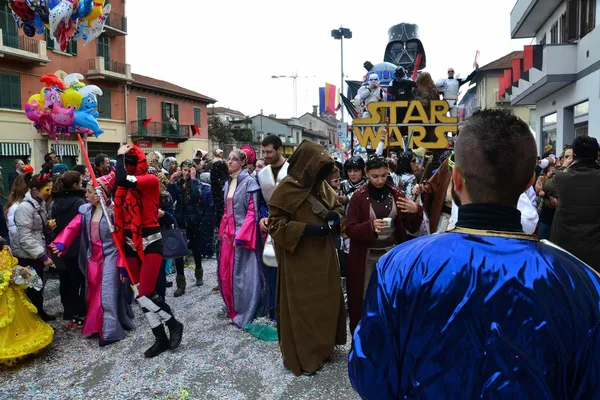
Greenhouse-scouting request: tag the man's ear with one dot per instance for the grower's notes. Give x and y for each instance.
(457, 180)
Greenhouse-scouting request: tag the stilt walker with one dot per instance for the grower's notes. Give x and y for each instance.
(137, 229)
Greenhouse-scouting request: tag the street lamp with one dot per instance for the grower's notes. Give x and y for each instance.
(341, 34)
(295, 94)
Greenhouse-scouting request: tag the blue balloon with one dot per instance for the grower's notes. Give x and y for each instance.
(85, 117)
(29, 29)
(39, 24)
(83, 25)
(53, 3)
(85, 8)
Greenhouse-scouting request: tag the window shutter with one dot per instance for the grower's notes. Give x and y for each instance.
(104, 104)
(4, 90)
(197, 116)
(49, 41)
(73, 47)
(141, 108)
(176, 111)
(15, 91)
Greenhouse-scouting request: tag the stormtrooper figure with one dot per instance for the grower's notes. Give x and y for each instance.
(369, 94)
(450, 86)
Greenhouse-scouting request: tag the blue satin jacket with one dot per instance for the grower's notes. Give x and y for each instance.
(472, 316)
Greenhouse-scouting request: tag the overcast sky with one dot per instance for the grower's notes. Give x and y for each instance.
(229, 50)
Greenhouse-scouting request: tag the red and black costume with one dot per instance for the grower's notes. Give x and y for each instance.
(136, 224)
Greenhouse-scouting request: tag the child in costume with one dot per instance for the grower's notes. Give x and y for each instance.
(22, 331)
(138, 231)
(108, 298)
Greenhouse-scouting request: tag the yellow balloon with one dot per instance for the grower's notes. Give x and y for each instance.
(35, 97)
(96, 12)
(42, 98)
(71, 98)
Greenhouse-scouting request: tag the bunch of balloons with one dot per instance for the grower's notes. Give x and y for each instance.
(66, 20)
(64, 107)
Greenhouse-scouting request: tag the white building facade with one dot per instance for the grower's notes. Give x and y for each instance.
(560, 74)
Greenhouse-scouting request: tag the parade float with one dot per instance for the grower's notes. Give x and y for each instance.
(409, 122)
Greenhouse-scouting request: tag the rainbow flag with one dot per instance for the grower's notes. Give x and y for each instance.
(330, 95)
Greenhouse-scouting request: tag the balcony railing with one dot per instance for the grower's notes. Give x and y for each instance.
(100, 67)
(21, 42)
(164, 130)
(117, 22)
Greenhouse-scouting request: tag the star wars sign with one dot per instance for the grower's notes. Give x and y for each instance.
(416, 118)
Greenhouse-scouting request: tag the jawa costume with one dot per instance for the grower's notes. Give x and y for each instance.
(137, 228)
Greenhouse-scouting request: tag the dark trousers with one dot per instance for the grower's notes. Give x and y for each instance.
(36, 297)
(195, 244)
(161, 281)
(72, 288)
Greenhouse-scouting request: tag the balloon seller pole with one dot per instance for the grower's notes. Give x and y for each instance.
(342, 68)
(98, 189)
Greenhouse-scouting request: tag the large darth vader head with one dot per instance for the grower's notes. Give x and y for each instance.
(404, 45)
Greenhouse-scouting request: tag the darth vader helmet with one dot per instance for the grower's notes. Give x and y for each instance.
(404, 45)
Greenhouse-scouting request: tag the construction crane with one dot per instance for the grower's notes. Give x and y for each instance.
(294, 78)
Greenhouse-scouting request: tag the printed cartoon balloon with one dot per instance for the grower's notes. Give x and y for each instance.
(64, 107)
(66, 20)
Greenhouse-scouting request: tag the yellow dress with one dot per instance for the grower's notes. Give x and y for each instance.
(22, 332)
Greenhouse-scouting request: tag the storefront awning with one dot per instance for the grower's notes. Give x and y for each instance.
(69, 150)
(15, 149)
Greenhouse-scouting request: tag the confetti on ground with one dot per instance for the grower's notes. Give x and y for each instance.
(216, 360)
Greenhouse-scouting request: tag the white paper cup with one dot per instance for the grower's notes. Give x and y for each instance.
(388, 222)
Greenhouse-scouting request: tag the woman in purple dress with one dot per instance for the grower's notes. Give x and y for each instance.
(241, 275)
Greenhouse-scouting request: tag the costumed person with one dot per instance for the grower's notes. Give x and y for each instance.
(425, 91)
(484, 311)
(186, 191)
(268, 179)
(68, 198)
(218, 177)
(241, 276)
(304, 216)
(405, 170)
(370, 93)
(355, 171)
(378, 218)
(32, 231)
(401, 89)
(108, 295)
(450, 86)
(138, 231)
(22, 332)
(437, 198)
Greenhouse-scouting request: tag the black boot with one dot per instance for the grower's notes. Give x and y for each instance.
(161, 344)
(175, 333)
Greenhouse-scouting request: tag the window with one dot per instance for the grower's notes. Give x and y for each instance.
(581, 18)
(170, 109)
(543, 41)
(10, 91)
(563, 29)
(141, 108)
(10, 36)
(581, 109)
(103, 50)
(197, 116)
(104, 104)
(554, 33)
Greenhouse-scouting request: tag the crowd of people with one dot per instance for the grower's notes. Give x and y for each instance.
(440, 271)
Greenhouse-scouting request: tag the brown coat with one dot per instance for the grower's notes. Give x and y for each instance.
(309, 305)
(359, 228)
(435, 194)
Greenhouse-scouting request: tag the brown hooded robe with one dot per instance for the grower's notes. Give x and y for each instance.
(309, 305)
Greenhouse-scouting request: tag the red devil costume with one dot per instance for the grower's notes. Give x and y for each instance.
(137, 227)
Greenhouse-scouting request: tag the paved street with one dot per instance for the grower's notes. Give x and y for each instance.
(215, 361)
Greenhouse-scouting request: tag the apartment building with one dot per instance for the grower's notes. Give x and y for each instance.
(560, 73)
